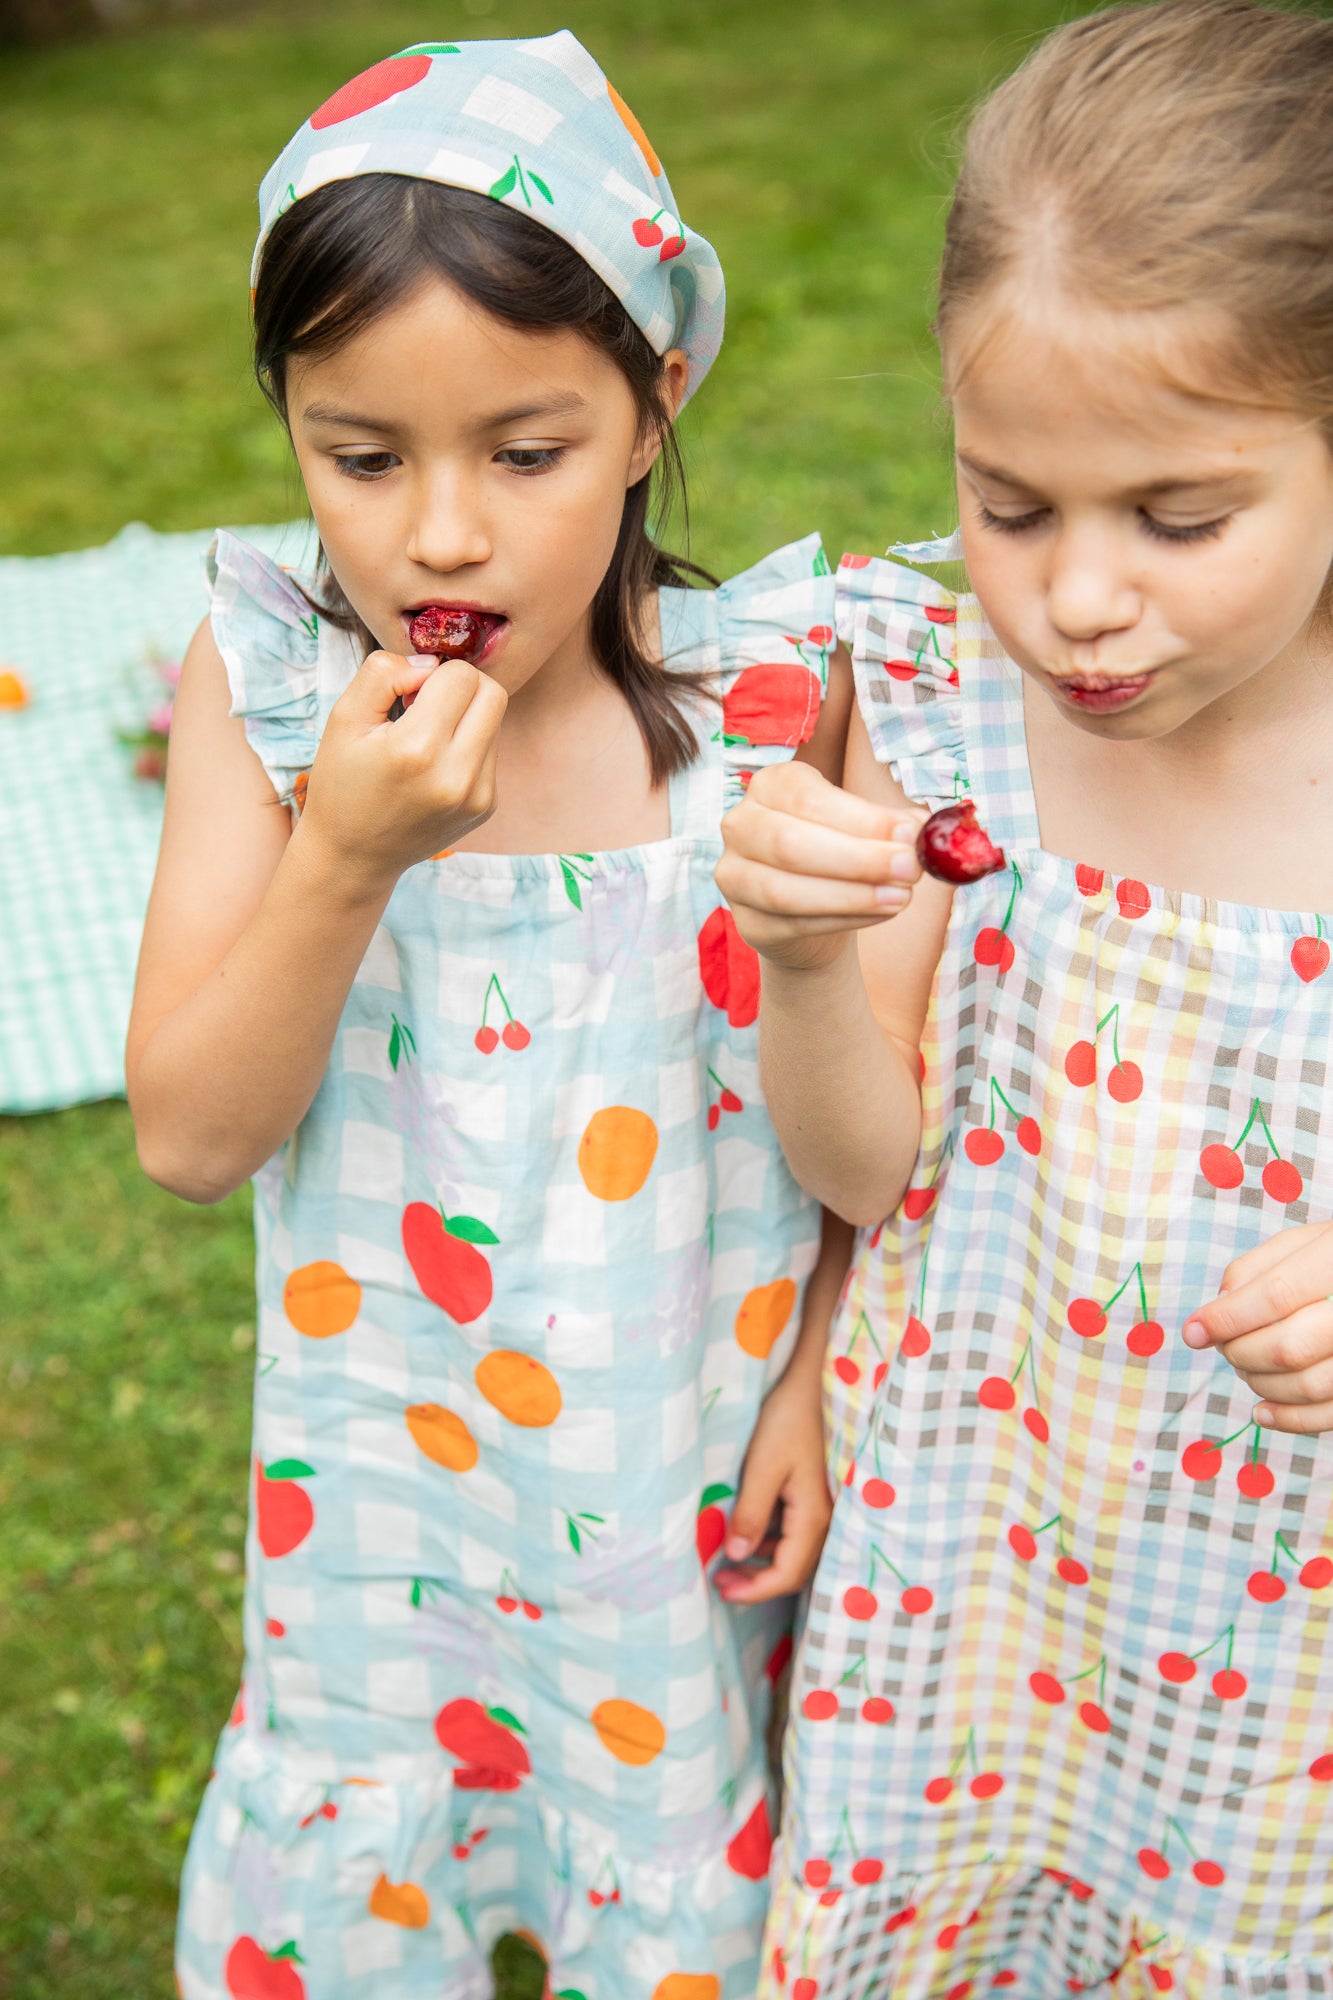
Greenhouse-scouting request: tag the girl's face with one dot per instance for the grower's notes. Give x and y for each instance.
(1141, 553)
(455, 461)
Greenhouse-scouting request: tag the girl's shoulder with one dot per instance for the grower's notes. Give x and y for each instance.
(901, 629)
(764, 638)
(269, 635)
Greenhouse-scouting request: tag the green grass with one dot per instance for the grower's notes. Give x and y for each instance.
(813, 145)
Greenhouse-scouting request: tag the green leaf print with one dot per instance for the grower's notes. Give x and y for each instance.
(468, 1230)
(821, 564)
(431, 49)
(288, 1950)
(508, 1718)
(541, 186)
(289, 1468)
(575, 1539)
(506, 184)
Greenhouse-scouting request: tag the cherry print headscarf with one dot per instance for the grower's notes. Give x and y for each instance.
(535, 124)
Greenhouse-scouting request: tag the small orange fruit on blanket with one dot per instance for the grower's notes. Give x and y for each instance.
(442, 1435)
(13, 691)
(617, 1151)
(320, 1300)
(688, 1986)
(521, 1388)
(763, 1314)
(400, 1903)
(633, 1734)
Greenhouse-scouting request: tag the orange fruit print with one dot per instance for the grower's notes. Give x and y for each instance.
(617, 1151)
(321, 1300)
(688, 1986)
(763, 1314)
(635, 130)
(520, 1387)
(442, 1435)
(400, 1903)
(632, 1734)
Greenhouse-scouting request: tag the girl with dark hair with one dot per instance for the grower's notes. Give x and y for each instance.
(436, 955)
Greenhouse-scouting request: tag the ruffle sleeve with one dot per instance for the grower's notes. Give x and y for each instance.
(268, 637)
(902, 631)
(775, 631)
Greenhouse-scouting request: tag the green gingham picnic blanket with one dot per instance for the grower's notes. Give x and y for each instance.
(78, 830)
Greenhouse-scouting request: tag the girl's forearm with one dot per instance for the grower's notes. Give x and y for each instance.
(843, 1095)
(228, 1074)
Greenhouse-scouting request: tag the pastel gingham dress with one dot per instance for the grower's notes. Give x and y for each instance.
(525, 1271)
(1063, 1712)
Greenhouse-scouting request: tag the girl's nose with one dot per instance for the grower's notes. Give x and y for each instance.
(1090, 589)
(448, 529)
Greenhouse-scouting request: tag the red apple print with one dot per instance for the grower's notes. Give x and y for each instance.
(1035, 1422)
(1202, 1460)
(983, 1146)
(484, 1778)
(1125, 1082)
(915, 1340)
(1177, 1667)
(775, 702)
(1322, 1769)
(1210, 1874)
(916, 1599)
(877, 1708)
(285, 1513)
(1081, 1065)
(1154, 1864)
(483, 1739)
(1317, 1573)
(1221, 1166)
(901, 1918)
(1266, 1588)
(986, 1784)
(938, 1790)
(818, 1874)
(1282, 1182)
(1023, 1543)
(918, 1202)
(996, 1394)
(729, 969)
(878, 1493)
(953, 847)
(647, 232)
(514, 1035)
(858, 1602)
(1028, 1135)
(487, 1040)
(1133, 898)
(994, 947)
(251, 1974)
(1145, 1338)
(1255, 1479)
(1086, 1318)
(374, 86)
(445, 1260)
(1046, 1688)
(1228, 1685)
(820, 1705)
(1071, 1570)
(750, 1849)
(710, 1526)
(1089, 880)
(1309, 957)
(805, 1988)
(866, 1871)
(1094, 1717)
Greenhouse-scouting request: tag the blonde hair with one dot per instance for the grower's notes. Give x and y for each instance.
(1159, 157)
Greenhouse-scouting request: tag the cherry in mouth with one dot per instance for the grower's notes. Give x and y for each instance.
(447, 631)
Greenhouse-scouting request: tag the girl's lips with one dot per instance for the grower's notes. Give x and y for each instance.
(1102, 696)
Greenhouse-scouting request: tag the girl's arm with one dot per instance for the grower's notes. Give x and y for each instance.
(255, 931)
(807, 868)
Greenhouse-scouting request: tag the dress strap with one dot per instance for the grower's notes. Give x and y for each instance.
(991, 687)
(689, 629)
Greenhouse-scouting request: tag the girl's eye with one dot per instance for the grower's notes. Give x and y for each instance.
(1010, 524)
(523, 458)
(1201, 531)
(366, 464)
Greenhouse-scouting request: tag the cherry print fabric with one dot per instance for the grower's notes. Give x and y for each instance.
(1060, 1714)
(525, 1271)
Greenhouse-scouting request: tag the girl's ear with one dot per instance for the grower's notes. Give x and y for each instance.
(674, 380)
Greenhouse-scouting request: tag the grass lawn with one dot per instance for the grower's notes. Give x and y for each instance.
(813, 146)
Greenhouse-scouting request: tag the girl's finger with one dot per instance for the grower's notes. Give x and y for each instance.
(380, 680)
(1253, 1263)
(1285, 1347)
(807, 847)
(776, 892)
(1297, 1420)
(1298, 1386)
(1287, 1284)
(799, 791)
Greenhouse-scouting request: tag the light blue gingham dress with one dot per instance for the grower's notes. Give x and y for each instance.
(487, 1686)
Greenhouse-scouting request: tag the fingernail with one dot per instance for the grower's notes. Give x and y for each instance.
(890, 897)
(1263, 1416)
(904, 867)
(1194, 1333)
(422, 660)
(905, 832)
(737, 1548)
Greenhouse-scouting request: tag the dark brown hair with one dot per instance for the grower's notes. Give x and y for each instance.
(1163, 156)
(352, 250)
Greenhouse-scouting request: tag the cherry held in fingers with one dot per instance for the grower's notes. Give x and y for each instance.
(952, 847)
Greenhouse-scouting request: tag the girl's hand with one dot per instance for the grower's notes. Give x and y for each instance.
(384, 795)
(1273, 1321)
(806, 862)
(783, 1509)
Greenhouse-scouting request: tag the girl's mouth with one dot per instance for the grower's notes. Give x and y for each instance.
(454, 631)
(1099, 694)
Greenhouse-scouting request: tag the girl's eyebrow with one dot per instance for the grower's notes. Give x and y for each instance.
(1198, 481)
(554, 406)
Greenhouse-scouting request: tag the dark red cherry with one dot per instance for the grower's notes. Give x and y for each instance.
(952, 847)
(446, 631)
